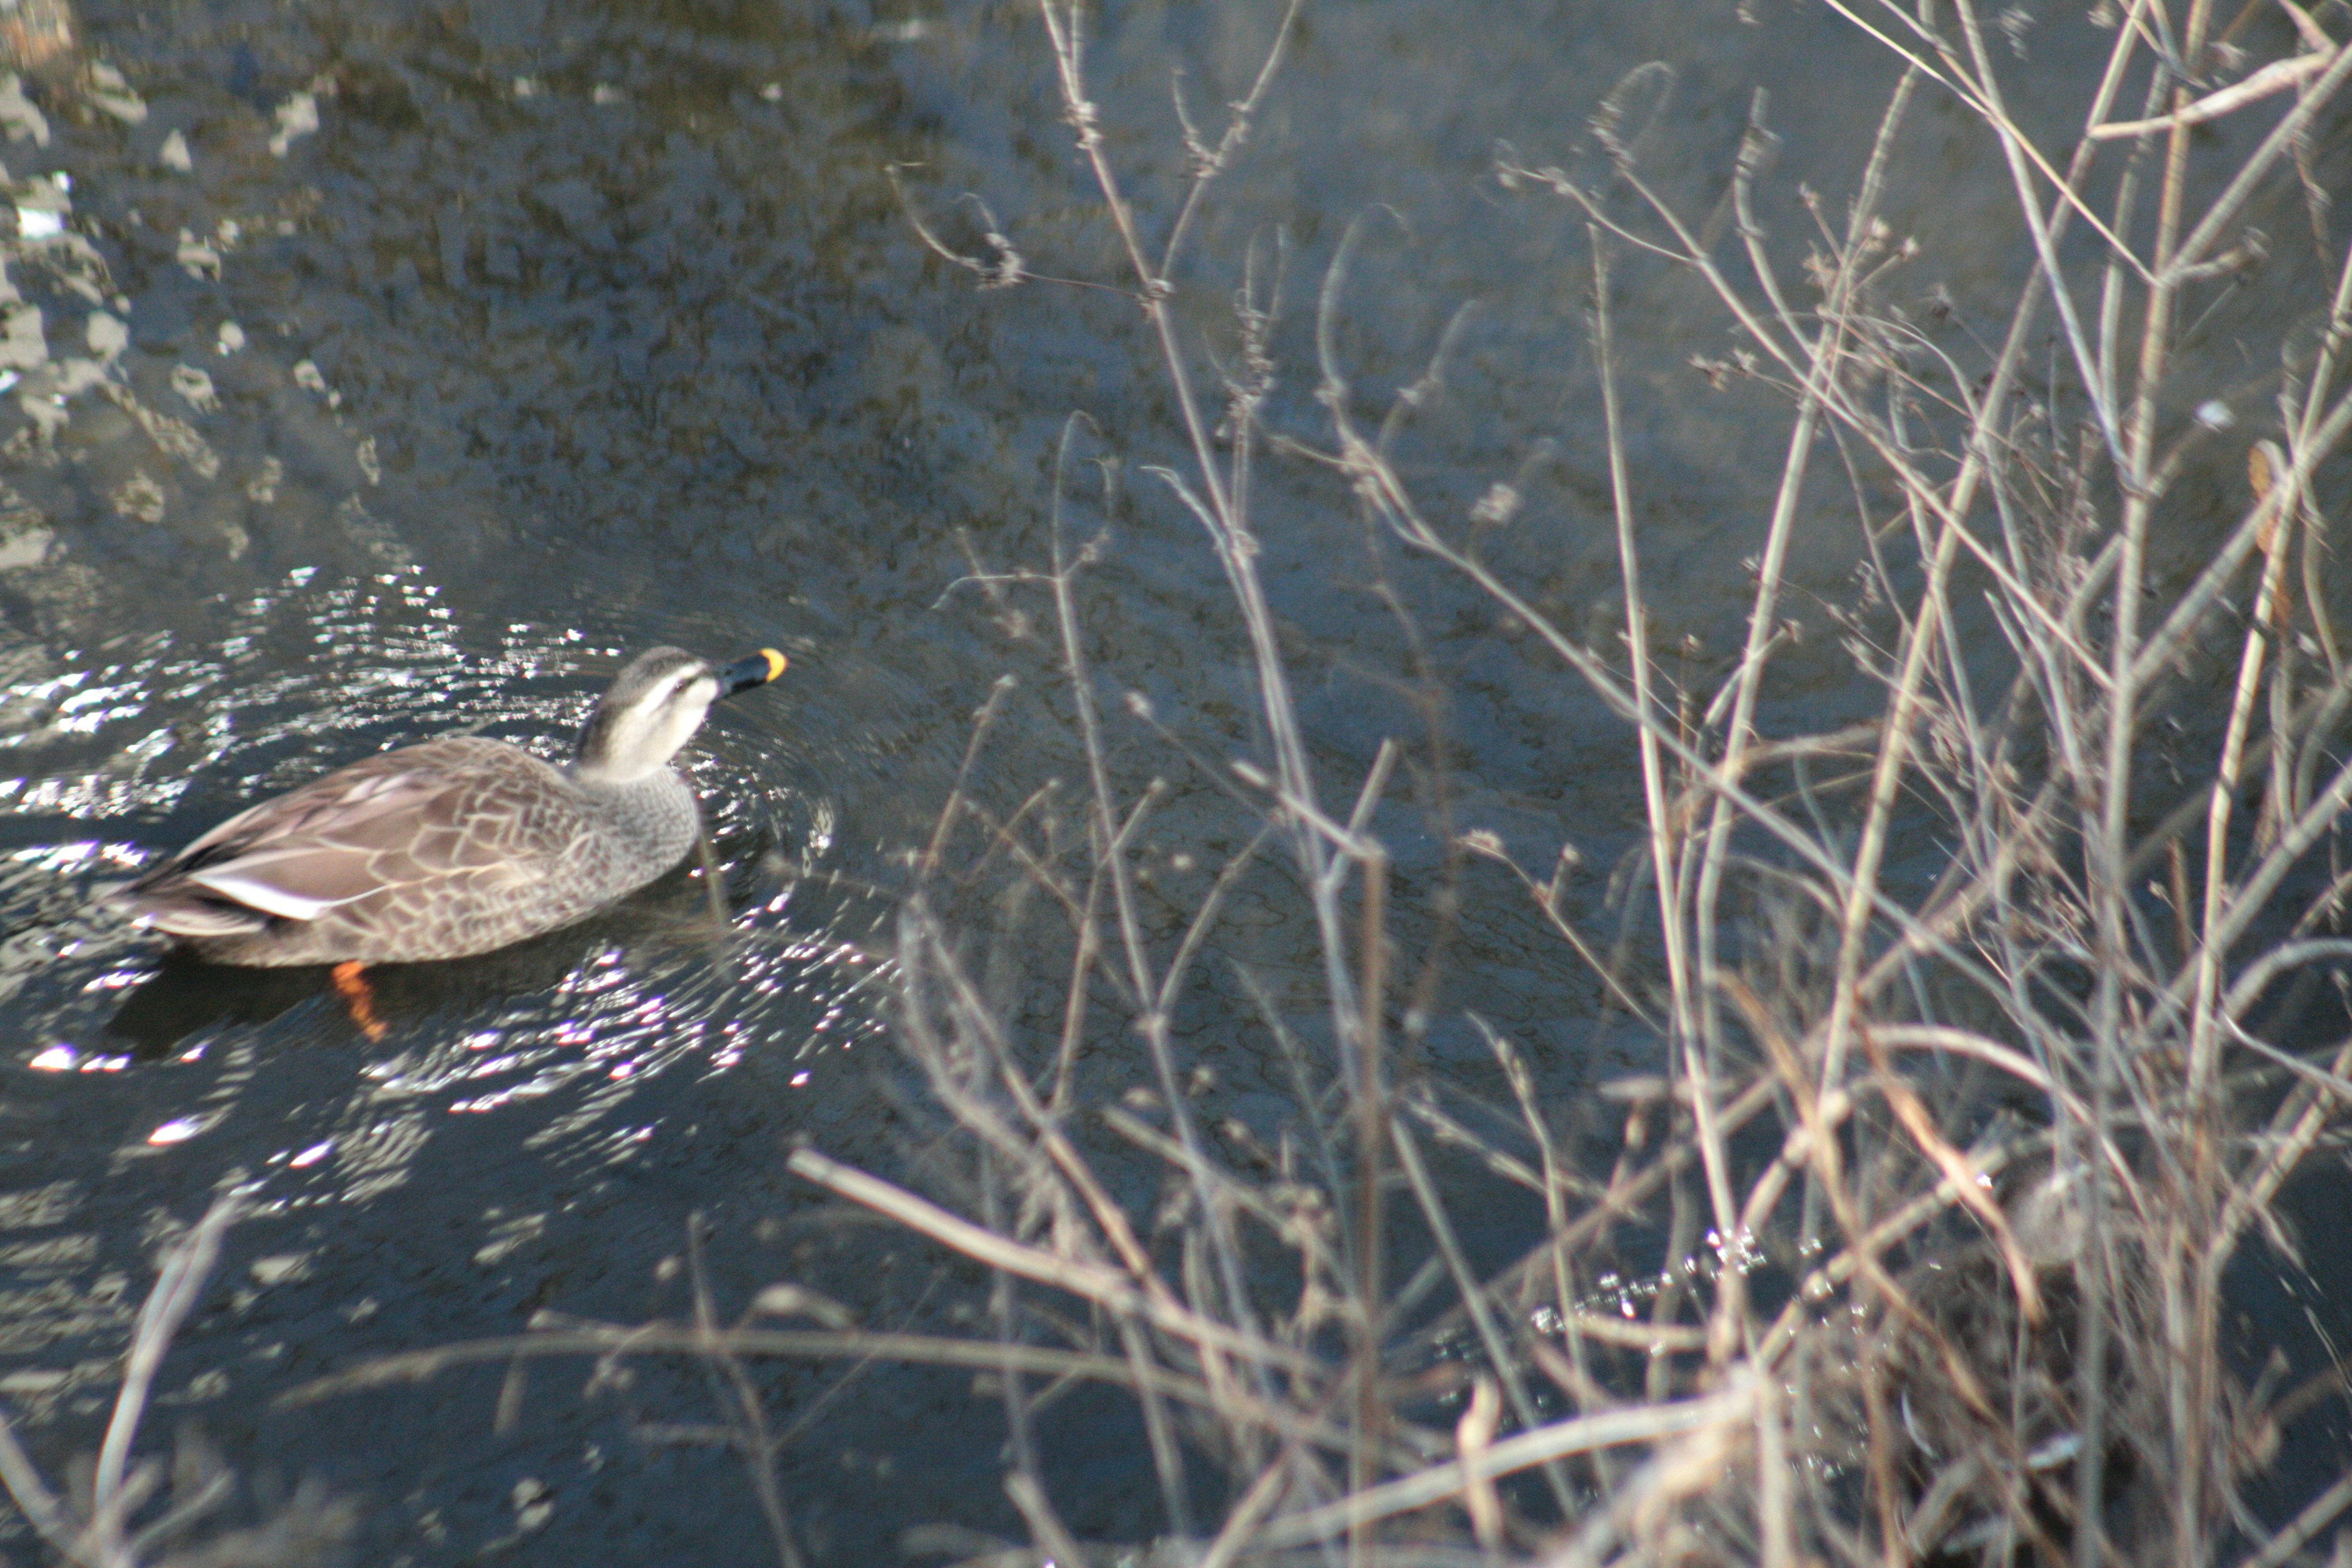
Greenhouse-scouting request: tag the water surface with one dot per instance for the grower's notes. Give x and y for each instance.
(467, 349)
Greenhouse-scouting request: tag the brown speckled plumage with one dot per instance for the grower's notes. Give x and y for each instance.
(454, 846)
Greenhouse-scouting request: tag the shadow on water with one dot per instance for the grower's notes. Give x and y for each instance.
(662, 928)
(185, 996)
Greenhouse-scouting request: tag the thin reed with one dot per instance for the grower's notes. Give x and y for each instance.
(1944, 1173)
(119, 1510)
(1951, 1171)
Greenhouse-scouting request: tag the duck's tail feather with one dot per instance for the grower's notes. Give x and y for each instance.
(186, 912)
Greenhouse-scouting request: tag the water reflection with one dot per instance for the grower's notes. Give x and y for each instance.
(513, 1101)
(121, 753)
(605, 314)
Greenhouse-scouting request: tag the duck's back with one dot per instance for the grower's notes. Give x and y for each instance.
(439, 850)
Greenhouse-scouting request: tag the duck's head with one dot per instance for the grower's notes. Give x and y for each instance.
(653, 707)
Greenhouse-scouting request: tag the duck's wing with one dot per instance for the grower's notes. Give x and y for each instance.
(447, 811)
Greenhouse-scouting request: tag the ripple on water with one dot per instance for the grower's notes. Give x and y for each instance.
(581, 1044)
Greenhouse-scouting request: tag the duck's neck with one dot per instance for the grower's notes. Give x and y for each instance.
(591, 774)
(656, 811)
(601, 778)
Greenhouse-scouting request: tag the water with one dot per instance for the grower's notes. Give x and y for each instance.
(475, 347)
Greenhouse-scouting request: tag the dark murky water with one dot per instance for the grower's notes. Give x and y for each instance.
(565, 330)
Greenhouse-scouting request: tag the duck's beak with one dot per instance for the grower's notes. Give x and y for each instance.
(746, 673)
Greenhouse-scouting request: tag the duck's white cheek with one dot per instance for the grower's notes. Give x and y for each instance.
(684, 721)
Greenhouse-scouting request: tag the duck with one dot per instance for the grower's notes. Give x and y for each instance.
(454, 846)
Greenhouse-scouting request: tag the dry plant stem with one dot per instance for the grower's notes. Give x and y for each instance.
(1774, 1508)
(2189, 1377)
(2261, 881)
(1547, 900)
(1230, 1193)
(2313, 717)
(1379, 487)
(1664, 861)
(1524, 1450)
(2032, 933)
(1819, 1115)
(2299, 415)
(1500, 1360)
(1826, 352)
(2305, 1527)
(2168, 644)
(2277, 76)
(1763, 620)
(1472, 1436)
(40, 1507)
(1692, 1038)
(2113, 857)
(1209, 165)
(1945, 510)
(916, 939)
(1957, 1171)
(2295, 1130)
(1003, 1307)
(1396, 508)
(1949, 510)
(1921, 637)
(2016, 151)
(1220, 502)
(1218, 505)
(104, 1539)
(1819, 1285)
(1301, 1429)
(1220, 512)
(1158, 1430)
(1626, 1195)
(2304, 412)
(1879, 1423)
(1109, 847)
(1241, 1525)
(1555, 1175)
(747, 1419)
(1053, 1537)
(177, 1287)
(1894, 740)
(1689, 252)
(1111, 861)
(1105, 1287)
(1080, 991)
(1969, 94)
(950, 814)
(1235, 1402)
(1374, 1140)
(2204, 1029)
(2283, 137)
(1645, 1514)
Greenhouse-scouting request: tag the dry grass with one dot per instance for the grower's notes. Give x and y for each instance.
(119, 1511)
(2000, 1135)
(1946, 1172)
